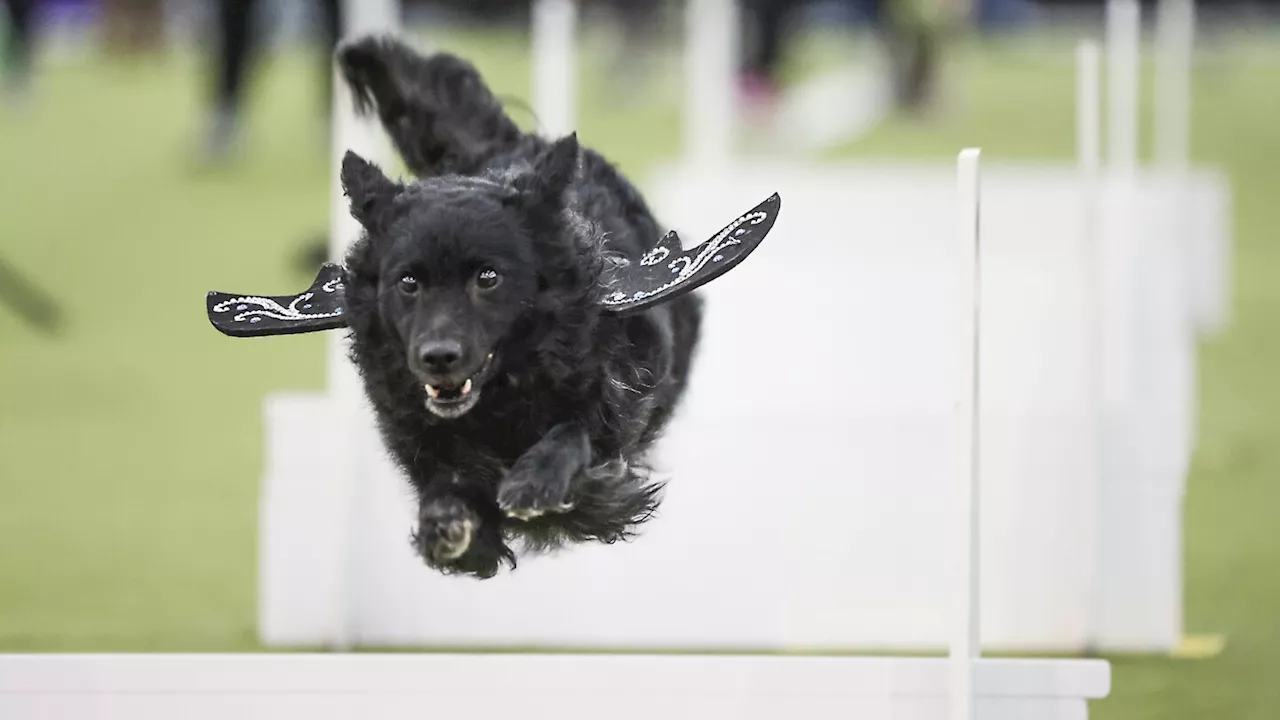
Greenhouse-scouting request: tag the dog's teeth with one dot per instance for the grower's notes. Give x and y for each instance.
(466, 386)
(434, 393)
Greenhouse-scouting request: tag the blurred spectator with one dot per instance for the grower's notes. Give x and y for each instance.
(237, 44)
(906, 32)
(134, 25)
(910, 34)
(19, 46)
(640, 26)
(768, 23)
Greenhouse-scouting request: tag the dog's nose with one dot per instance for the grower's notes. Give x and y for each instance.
(440, 356)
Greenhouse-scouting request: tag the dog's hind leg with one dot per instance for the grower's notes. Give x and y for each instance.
(437, 109)
(539, 481)
(610, 499)
(558, 490)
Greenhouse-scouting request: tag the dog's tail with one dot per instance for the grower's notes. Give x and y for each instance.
(437, 109)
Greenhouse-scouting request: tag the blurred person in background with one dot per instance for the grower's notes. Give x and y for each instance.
(767, 27)
(902, 25)
(910, 30)
(236, 46)
(19, 47)
(134, 26)
(131, 26)
(639, 25)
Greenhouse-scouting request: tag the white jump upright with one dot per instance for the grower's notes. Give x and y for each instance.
(966, 481)
(1210, 266)
(364, 136)
(1175, 42)
(555, 65)
(1124, 32)
(1088, 107)
(1089, 166)
(710, 62)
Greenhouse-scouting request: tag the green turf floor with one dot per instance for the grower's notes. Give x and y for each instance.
(131, 446)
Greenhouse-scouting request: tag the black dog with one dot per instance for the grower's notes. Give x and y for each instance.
(518, 409)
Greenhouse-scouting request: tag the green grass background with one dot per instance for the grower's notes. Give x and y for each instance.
(131, 447)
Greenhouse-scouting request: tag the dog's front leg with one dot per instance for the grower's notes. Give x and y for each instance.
(539, 482)
(453, 537)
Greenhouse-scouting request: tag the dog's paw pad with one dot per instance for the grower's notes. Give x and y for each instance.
(531, 513)
(523, 513)
(445, 532)
(528, 500)
(454, 539)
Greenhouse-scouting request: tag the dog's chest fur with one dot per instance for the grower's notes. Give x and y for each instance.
(616, 400)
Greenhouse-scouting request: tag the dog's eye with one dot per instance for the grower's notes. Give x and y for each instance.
(408, 283)
(487, 279)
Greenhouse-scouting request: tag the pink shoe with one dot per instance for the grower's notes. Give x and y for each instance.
(757, 94)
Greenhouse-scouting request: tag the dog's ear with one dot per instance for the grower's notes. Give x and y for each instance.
(553, 171)
(371, 191)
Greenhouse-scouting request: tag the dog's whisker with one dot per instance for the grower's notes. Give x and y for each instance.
(621, 385)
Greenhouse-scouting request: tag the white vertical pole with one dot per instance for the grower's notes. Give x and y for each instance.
(1088, 107)
(1123, 34)
(710, 59)
(1089, 162)
(364, 136)
(1119, 247)
(1175, 43)
(1123, 39)
(555, 65)
(1175, 39)
(965, 635)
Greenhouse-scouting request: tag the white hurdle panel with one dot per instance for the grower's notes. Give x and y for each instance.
(623, 686)
(1097, 562)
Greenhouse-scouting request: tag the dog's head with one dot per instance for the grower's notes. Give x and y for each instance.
(452, 266)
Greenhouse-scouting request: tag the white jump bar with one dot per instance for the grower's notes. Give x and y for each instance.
(620, 687)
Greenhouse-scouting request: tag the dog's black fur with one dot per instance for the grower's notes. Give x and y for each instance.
(501, 247)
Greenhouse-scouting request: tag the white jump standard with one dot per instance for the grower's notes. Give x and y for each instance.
(626, 686)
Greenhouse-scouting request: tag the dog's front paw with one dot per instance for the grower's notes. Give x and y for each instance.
(445, 529)
(529, 491)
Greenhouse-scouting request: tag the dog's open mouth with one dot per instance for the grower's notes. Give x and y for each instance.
(444, 394)
(451, 401)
